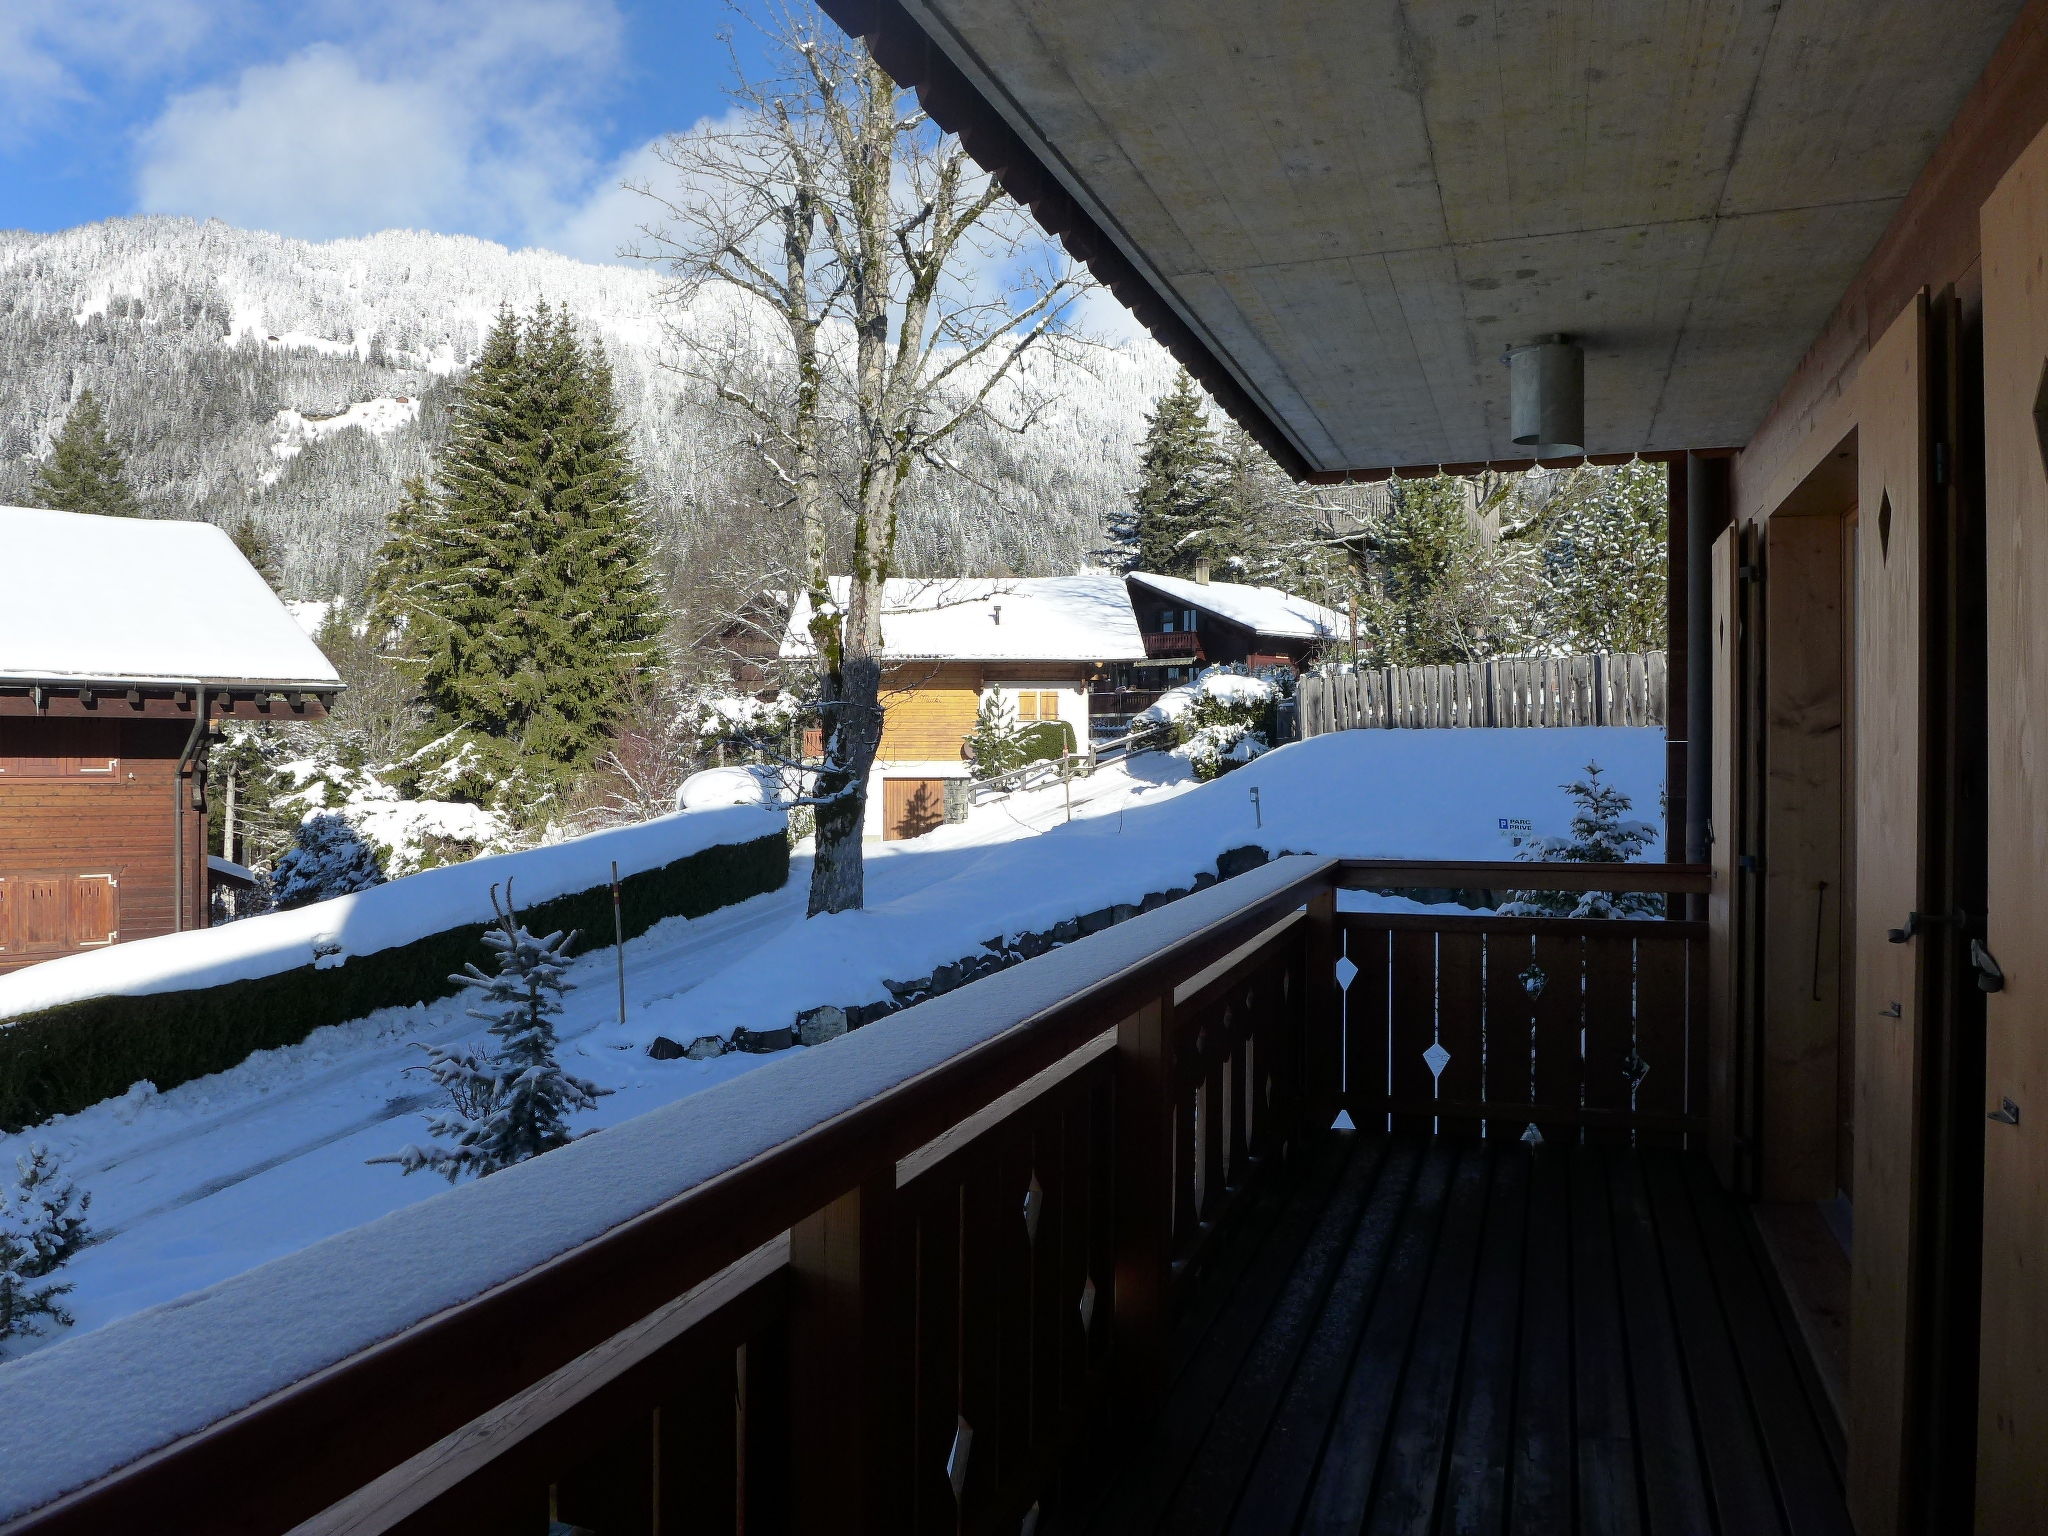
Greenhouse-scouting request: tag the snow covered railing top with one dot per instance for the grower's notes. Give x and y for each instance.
(383, 917)
(181, 1405)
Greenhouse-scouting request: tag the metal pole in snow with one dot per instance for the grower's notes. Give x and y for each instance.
(619, 939)
(1258, 814)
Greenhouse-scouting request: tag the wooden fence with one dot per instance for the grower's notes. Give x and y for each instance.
(946, 1309)
(1618, 689)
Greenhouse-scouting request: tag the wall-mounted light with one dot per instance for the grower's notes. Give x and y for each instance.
(1547, 396)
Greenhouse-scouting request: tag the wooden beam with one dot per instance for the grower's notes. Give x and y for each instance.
(1394, 874)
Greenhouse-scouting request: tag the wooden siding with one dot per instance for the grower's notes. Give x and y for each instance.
(929, 710)
(1889, 1007)
(2013, 1369)
(121, 825)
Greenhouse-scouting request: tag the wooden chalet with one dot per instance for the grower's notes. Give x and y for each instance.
(1042, 641)
(122, 642)
(1191, 622)
(1730, 1222)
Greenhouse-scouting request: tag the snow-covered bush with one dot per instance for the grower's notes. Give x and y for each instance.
(514, 1104)
(714, 787)
(1598, 836)
(42, 1223)
(408, 834)
(1220, 721)
(328, 857)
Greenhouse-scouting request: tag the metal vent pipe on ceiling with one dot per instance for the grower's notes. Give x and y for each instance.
(1547, 395)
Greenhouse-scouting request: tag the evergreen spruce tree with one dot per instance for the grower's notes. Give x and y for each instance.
(327, 858)
(42, 1224)
(1604, 552)
(1598, 836)
(997, 743)
(258, 549)
(514, 1105)
(1175, 518)
(85, 472)
(521, 583)
(1426, 603)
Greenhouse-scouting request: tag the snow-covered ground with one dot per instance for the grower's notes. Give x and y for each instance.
(216, 1176)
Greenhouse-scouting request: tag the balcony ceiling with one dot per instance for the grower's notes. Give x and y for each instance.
(1340, 214)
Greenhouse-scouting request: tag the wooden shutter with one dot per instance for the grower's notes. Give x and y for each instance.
(2013, 1370)
(1892, 427)
(92, 918)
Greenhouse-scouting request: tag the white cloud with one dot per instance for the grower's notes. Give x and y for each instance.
(54, 52)
(464, 115)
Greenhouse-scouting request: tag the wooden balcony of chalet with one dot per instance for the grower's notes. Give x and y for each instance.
(1077, 1248)
(1175, 643)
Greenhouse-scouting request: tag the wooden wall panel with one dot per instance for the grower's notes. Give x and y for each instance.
(929, 710)
(1892, 415)
(1721, 980)
(2013, 1368)
(1802, 876)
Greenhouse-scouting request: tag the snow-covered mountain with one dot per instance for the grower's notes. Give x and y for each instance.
(302, 382)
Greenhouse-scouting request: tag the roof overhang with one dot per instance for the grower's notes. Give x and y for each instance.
(161, 698)
(1339, 217)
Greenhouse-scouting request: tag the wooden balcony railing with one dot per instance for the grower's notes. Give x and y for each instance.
(1176, 643)
(942, 1305)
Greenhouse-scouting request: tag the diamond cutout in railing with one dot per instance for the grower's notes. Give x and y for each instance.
(1437, 1057)
(1034, 1202)
(1532, 1137)
(1030, 1525)
(1345, 971)
(956, 1458)
(1533, 981)
(1088, 1304)
(1636, 1069)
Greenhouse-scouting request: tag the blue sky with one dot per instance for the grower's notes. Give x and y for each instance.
(510, 119)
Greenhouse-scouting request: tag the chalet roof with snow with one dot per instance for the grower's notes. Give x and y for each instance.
(1262, 610)
(144, 602)
(1014, 618)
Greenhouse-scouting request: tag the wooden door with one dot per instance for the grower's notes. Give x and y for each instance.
(1892, 415)
(2013, 1367)
(912, 807)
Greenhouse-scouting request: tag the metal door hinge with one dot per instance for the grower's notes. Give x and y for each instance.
(2007, 1113)
(1891, 1011)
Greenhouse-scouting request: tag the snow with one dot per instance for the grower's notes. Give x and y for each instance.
(310, 613)
(1086, 617)
(723, 786)
(201, 1184)
(1225, 687)
(167, 602)
(228, 867)
(1263, 610)
(379, 417)
(328, 932)
(414, 833)
(98, 1401)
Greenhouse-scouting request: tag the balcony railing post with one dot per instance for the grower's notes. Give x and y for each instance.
(1146, 1198)
(849, 1339)
(1322, 1015)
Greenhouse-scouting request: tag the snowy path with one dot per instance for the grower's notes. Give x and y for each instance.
(272, 1155)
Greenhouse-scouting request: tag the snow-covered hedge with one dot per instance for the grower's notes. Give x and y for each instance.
(1220, 721)
(77, 1030)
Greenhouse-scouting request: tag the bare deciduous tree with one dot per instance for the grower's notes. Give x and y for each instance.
(894, 292)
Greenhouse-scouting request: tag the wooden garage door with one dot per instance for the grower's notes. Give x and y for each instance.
(912, 807)
(2013, 1371)
(1892, 416)
(45, 914)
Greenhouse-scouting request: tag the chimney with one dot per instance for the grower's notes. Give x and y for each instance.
(1202, 572)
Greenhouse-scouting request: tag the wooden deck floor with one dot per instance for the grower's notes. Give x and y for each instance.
(1436, 1336)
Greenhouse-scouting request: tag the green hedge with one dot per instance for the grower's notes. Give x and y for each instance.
(64, 1058)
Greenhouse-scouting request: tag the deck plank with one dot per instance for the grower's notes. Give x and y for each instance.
(1478, 1482)
(1280, 1478)
(1443, 1336)
(1358, 1430)
(1410, 1483)
(1540, 1468)
(1603, 1415)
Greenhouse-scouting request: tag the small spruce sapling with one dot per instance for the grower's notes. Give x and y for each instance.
(1598, 836)
(42, 1224)
(514, 1104)
(997, 743)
